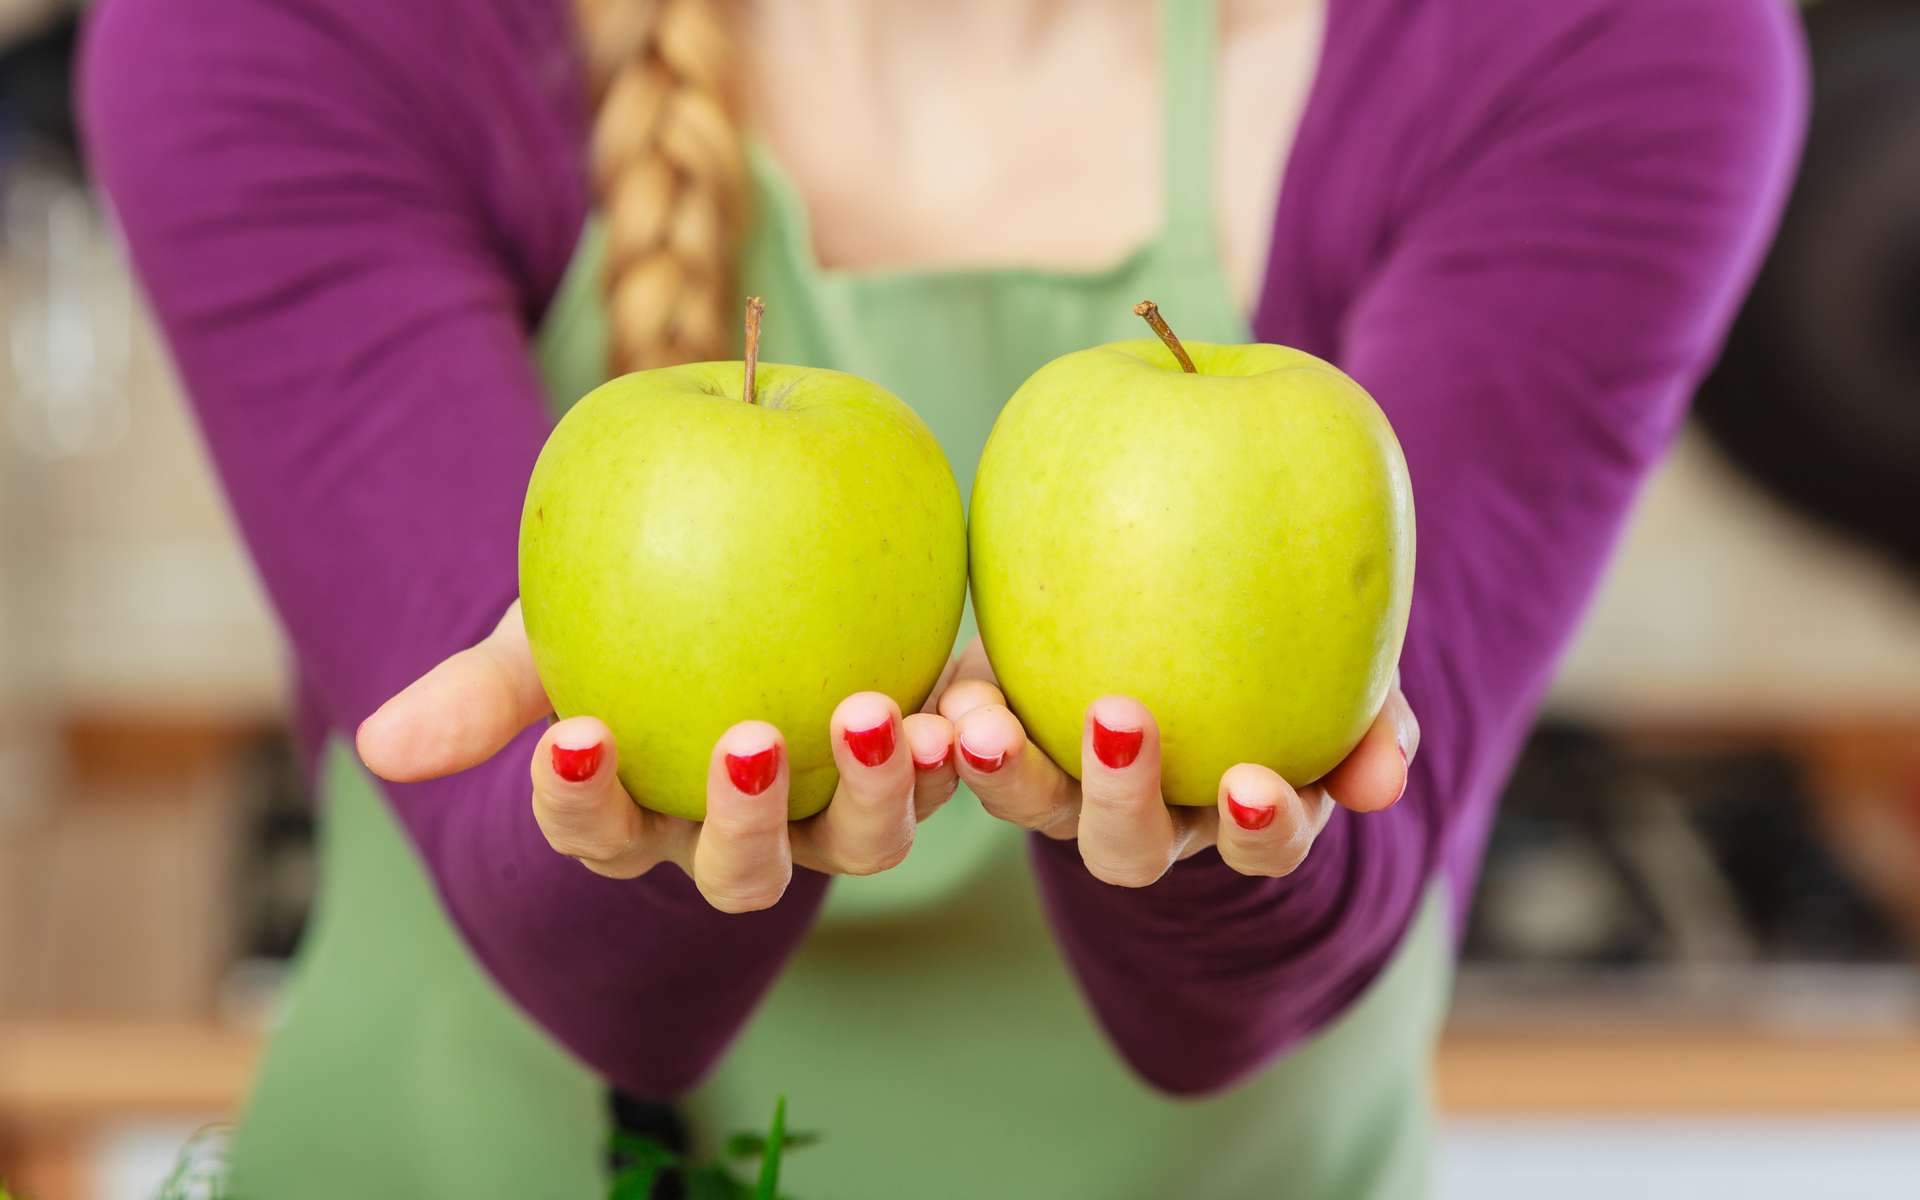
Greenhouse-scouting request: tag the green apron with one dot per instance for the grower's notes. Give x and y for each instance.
(928, 1027)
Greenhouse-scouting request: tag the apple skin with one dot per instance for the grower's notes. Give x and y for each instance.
(1232, 548)
(689, 561)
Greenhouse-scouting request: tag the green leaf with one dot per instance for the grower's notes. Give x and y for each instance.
(640, 1149)
(769, 1186)
(635, 1183)
(753, 1145)
(645, 1160)
(715, 1183)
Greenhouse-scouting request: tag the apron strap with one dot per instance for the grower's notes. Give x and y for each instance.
(1189, 39)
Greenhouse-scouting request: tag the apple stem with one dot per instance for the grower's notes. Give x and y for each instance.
(755, 306)
(1150, 312)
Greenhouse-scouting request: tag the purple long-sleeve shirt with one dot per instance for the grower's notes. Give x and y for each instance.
(1523, 226)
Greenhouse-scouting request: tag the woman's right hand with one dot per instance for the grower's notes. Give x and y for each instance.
(893, 774)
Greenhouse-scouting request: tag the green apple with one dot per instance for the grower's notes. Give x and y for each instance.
(690, 558)
(1231, 545)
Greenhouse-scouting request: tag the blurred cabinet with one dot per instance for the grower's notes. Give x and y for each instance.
(122, 562)
(1724, 608)
(136, 649)
(117, 890)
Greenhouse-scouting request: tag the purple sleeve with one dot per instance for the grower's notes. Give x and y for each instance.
(345, 216)
(1533, 328)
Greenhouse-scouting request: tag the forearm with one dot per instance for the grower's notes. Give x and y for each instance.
(1531, 329)
(641, 979)
(1207, 975)
(346, 306)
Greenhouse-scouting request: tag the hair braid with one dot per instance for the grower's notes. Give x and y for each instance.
(670, 176)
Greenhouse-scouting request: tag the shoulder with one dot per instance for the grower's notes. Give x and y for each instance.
(472, 108)
(375, 51)
(1422, 109)
(1443, 74)
(1640, 61)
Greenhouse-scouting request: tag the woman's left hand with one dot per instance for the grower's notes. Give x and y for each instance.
(1128, 835)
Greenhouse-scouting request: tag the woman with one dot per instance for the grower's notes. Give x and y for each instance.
(366, 230)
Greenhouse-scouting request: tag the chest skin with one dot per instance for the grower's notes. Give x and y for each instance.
(953, 136)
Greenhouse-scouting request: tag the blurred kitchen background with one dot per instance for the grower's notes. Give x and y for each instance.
(1692, 966)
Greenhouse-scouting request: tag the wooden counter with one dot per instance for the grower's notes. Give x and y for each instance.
(1679, 1071)
(61, 1072)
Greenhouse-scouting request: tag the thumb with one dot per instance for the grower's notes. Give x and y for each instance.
(460, 713)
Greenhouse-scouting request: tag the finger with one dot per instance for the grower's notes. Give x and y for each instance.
(1374, 775)
(1014, 780)
(930, 741)
(1265, 827)
(741, 861)
(1127, 836)
(868, 825)
(582, 809)
(460, 713)
(973, 684)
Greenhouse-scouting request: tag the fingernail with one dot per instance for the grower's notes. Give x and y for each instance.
(1406, 775)
(981, 762)
(871, 746)
(1116, 748)
(1249, 816)
(753, 773)
(575, 764)
(946, 752)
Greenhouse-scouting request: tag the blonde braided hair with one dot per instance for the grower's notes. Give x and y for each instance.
(670, 175)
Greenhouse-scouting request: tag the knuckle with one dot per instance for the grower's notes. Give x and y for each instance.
(586, 849)
(617, 868)
(1274, 862)
(746, 822)
(1293, 851)
(1109, 803)
(1125, 874)
(579, 831)
(740, 888)
(1017, 811)
(574, 808)
(876, 802)
(874, 862)
(742, 899)
(927, 792)
(1264, 869)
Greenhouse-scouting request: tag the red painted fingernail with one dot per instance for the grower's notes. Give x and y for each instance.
(1116, 748)
(753, 773)
(575, 765)
(980, 762)
(1247, 816)
(946, 752)
(872, 746)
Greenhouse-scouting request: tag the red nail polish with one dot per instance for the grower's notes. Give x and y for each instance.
(871, 746)
(1116, 748)
(1246, 816)
(575, 766)
(980, 762)
(753, 773)
(936, 764)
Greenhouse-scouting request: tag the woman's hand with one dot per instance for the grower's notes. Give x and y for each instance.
(893, 774)
(1128, 836)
